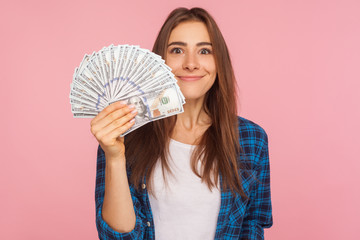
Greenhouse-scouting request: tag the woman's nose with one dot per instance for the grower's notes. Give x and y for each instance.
(190, 62)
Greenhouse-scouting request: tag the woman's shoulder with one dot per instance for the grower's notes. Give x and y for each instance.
(252, 137)
(248, 128)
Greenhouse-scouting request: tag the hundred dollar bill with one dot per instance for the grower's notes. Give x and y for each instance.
(84, 115)
(159, 103)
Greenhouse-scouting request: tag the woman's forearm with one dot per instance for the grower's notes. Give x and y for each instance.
(118, 209)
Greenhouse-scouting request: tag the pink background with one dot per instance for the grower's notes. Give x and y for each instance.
(297, 65)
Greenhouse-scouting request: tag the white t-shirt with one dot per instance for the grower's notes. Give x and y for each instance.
(185, 208)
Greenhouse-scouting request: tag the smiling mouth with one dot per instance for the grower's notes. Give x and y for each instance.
(189, 78)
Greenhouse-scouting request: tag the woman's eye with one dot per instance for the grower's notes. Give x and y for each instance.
(205, 51)
(176, 50)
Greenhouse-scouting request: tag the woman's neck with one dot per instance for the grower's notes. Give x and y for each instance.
(192, 123)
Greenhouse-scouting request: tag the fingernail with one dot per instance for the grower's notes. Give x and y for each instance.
(123, 102)
(133, 111)
(131, 106)
(132, 120)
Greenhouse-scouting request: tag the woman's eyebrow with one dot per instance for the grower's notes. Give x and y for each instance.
(185, 44)
(203, 44)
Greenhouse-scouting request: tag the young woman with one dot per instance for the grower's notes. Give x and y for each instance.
(203, 174)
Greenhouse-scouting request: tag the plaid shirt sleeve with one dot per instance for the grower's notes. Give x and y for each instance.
(259, 213)
(105, 232)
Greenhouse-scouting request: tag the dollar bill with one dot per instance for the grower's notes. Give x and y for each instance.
(157, 104)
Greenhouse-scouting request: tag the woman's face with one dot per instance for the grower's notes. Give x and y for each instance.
(190, 55)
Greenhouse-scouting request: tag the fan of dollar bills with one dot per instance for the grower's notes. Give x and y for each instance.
(125, 73)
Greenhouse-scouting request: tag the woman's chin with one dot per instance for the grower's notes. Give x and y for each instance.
(193, 97)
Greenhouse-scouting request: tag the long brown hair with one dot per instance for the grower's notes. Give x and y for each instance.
(219, 146)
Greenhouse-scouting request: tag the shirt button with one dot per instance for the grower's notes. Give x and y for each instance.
(148, 223)
(143, 186)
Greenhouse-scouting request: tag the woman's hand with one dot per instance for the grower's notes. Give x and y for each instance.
(109, 124)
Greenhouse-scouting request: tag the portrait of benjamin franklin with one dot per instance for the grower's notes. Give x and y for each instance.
(142, 114)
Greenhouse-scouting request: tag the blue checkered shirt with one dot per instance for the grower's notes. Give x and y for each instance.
(238, 218)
